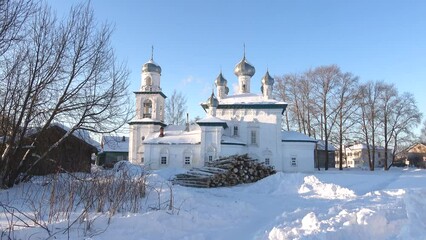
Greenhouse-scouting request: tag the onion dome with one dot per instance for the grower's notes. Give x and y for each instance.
(220, 80)
(267, 79)
(243, 68)
(151, 66)
(212, 101)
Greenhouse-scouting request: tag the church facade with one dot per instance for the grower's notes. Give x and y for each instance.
(242, 123)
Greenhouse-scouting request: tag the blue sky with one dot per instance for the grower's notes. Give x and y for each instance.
(193, 40)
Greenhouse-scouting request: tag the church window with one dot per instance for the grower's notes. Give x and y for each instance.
(187, 157)
(142, 160)
(163, 160)
(148, 81)
(267, 161)
(187, 160)
(244, 88)
(235, 130)
(210, 154)
(147, 109)
(253, 137)
(293, 161)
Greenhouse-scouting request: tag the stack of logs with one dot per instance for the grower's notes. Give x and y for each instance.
(227, 171)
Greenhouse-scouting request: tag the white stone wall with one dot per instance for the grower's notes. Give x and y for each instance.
(175, 156)
(303, 152)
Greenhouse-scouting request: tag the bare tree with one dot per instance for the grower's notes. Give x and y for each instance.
(370, 117)
(59, 72)
(281, 93)
(404, 116)
(346, 108)
(387, 101)
(325, 80)
(175, 109)
(423, 132)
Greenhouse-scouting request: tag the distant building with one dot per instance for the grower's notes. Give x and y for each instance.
(321, 153)
(113, 150)
(234, 124)
(416, 155)
(357, 156)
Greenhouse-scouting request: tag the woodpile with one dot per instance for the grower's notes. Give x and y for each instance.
(223, 172)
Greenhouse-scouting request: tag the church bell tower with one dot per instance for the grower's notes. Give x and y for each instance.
(150, 102)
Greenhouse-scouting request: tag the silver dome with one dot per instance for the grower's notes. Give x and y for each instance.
(243, 68)
(267, 79)
(220, 80)
(151, 66)
(212, 101)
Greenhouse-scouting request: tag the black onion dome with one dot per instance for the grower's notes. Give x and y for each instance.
(267, 79)
(220, 80)
(151, 66)
(243, 68)
(212, 101)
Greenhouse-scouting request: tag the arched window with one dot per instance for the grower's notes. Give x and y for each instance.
(244, 88)
(235, 131)
(211, 154)
(148, 83)
(164, 157)
(147, 109)
(267, 156)
(187, 157)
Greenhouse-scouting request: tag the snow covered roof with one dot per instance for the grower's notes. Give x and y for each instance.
(174, 134)
(212, 121)
(293, 136)
(115, 144)
(247, 98)
(146, 121)
(79, 133)
(247, 101)
(231, 141)
(321, 146)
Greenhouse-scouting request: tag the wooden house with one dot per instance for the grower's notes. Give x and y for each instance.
(416, 155)
(74, 154)
(113, 150)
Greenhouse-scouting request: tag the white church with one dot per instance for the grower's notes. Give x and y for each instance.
(242, 123)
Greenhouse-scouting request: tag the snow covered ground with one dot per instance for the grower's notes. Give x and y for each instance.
(349, 204)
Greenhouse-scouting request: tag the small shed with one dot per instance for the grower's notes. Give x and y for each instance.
(113, 150)
(321, 153)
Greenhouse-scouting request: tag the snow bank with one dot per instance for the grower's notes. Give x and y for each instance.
(313, 188)
(350, 204)
(278, 184)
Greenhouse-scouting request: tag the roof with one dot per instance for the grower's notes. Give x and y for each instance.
(115, 144)
(147, 121)
(81, 134)
(293, 136)
(247, 98)
(416, 147)
(212, 121)
(363, 146)
(321, 146)
(176, 134)
(248, 101)
(226, 140)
